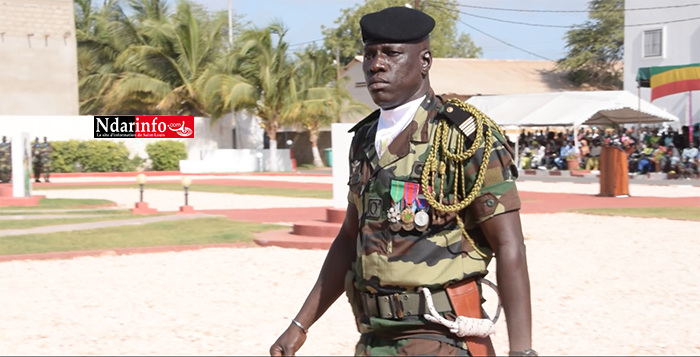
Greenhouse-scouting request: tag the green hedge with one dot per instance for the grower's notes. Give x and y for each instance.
(165, 155)
(92, 156)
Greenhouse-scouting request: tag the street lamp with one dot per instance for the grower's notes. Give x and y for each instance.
(141, 179)
(186, 182)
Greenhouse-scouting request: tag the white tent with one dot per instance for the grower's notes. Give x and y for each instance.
(570, 109)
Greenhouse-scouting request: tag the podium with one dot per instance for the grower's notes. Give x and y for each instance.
(614, 179)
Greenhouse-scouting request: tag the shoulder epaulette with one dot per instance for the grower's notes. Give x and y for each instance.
(460, 118)
(370, 118)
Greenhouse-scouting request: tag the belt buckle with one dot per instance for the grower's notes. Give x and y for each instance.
(397, 305)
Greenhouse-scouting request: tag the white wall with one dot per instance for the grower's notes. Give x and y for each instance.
(38, 58)
(682, 46)
(59, 128)
(341, 140)
(230, 160)
(249, 134)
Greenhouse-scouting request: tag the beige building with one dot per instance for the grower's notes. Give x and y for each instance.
(467, 77)
(38, 58)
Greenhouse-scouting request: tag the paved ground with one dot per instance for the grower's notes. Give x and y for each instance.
(95, 225)
(260, 178)
(49, 216)
(223, 181)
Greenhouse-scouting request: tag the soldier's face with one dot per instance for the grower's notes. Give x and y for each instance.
(395, 72)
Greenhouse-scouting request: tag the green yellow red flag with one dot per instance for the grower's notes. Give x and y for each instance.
(667, 80)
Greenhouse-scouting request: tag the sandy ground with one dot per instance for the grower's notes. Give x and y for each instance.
(600, 285)
(165, 200)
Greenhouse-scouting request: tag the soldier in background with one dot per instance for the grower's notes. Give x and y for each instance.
(36, 160)
(45, 161)
(5, 160)
(432, 199)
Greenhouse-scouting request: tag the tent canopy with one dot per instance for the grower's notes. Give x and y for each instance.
(570, 109)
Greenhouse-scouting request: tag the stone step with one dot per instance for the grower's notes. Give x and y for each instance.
(335, 215)
(284, 239)
(316, 229)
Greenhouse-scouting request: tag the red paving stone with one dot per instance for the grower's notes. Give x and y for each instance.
(221, 182)
(175, 173)
(533, 202)
(537, 202)
(272, 215)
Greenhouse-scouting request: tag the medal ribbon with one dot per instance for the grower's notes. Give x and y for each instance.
(410, 193)
(421, 201)
(397, 189)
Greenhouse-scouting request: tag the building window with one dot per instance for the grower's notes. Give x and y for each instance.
(653, 43)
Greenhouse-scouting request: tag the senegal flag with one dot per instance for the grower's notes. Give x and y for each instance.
(667, 80)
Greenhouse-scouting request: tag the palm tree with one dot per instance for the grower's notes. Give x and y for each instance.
(258, 77)
(160, 74)
(323, 98)
(148, 62)
(99, 41)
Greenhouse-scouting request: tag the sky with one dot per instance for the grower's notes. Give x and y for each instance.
(304, 19)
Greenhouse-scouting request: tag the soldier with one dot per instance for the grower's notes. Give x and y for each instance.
(36, 159)
(46, 150)
(5, 160)
(432, 198)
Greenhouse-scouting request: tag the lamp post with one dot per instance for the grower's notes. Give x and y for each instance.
(142, 207)
(186, 182)
(141, 179)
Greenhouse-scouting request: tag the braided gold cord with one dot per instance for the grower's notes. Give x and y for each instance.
(433, 165)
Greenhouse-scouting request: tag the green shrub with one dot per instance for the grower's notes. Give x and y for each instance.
(166, 154)
(91, 156)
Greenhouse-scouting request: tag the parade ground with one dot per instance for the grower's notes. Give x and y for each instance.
(81, 275)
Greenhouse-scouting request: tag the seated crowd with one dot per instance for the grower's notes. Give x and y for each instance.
(653, 150)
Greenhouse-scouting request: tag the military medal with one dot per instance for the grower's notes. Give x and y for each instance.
(408, 214)
(422, 219)
(394, 218)
(394, 213)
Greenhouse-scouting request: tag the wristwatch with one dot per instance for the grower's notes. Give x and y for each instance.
(527, 352)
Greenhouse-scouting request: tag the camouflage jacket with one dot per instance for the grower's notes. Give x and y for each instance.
(390, 262)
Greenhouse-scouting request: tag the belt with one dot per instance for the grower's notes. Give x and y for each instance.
(400, 305)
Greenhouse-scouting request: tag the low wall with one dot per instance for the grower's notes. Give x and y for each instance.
(232, 160)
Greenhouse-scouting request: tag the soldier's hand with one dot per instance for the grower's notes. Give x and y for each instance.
(289, 343)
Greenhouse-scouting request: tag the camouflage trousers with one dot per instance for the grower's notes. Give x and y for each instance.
(372, 345)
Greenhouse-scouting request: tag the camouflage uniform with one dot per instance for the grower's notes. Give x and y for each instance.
(36, 160)
(45, 160)
(391, 262)
(5, 161)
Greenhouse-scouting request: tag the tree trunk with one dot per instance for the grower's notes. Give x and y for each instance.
(272, 134)
(313, 137)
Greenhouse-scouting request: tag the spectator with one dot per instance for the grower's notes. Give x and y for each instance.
(593, 162)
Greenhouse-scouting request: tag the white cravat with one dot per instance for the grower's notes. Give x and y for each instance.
(393, 122)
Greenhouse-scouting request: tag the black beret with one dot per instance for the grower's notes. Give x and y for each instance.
(396, 24)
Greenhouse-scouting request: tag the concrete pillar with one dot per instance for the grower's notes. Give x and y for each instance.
(21, 165)
(340, 144)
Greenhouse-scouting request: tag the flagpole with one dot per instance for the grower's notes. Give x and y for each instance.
(690, 117)
(639, 115)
